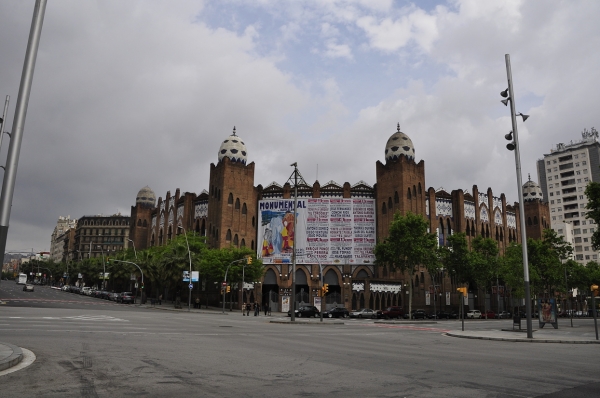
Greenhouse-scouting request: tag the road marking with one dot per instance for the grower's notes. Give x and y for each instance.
(410, 327)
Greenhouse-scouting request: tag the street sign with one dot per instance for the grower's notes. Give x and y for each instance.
(223, 283)
(191, 286)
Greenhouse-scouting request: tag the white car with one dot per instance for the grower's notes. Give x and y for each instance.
(86, 290)
(474, 314)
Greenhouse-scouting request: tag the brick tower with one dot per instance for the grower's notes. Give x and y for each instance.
(232, 202)
(400, 182)
(141, 214)
(537, 212)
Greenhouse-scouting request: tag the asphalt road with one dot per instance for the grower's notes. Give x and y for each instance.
(109, 350)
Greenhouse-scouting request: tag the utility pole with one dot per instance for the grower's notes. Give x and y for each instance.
(14, 149)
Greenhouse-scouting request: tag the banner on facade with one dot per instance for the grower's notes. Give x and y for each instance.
(332, 230)
(285, 303)
(427, 298)
(317, 304)
(447, 298)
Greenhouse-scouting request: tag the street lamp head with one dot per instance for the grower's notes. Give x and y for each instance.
(525, 117)
(504, 93)
(505, 101)
(509, 136)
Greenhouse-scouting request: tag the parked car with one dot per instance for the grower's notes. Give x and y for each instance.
(86, 290)
(363, 313)
(65, 288)
(74, 289)
(443, 315)
(453, 315)
(113, 296)
(337, 312)
(28, 287)
(126, 297)
(306, 311)
(489, 314)
(416, 314)
(504, 315)
(473, 314)
(391, 312)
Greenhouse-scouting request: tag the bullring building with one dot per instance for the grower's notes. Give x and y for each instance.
(336, 226)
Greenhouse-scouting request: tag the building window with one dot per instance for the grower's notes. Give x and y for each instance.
(560, 231)
(576, 164)
(558, 201)
(586, 179)
(548, 162)
(550, 178)
(551, 202)
(585, 231)
(584, 163)
(553, 218)
(549, 170)
(584, 171)
(551, 186)
(230, 199)
(551, 193)
(579, 180)
(580, 196)
(578, 172)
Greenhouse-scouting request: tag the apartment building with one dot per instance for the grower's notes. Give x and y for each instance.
(563, 175)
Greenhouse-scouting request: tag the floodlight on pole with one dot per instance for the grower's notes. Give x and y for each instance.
(515, 146)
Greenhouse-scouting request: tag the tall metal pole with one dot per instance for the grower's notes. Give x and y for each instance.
(521, 204)
(3, 119)
(293, 315)
(190, 256)
(12, 160)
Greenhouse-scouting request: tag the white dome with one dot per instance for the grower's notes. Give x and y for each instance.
(532, 191)
(146, 197)
(233, 148)
(399, 144)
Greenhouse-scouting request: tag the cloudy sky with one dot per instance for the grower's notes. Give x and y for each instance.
(134, 93)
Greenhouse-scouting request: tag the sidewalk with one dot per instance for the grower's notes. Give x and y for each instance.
(10, 356)
(565, 335)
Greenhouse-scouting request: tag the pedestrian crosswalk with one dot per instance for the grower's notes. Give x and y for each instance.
(94, 318)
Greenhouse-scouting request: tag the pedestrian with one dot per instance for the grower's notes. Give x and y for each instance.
(269, 308)
(255, 308)
(244, 309)
(197, 303)
(266, 308)
(248, 308)
(160, 299)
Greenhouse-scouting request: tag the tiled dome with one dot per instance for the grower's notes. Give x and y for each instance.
(233, 148)
(399, 144)
(146, 197)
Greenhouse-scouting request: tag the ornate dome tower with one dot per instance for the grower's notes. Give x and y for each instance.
(233, 148)
(397, 145)
(532, 191)
(146, 197)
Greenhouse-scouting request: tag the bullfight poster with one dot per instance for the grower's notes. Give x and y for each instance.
(332, 230)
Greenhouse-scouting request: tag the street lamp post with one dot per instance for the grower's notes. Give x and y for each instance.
(190, 257)
(225, 283)
(104, 267)
(142, 272)
(321, 273)
(509, 92)
(133, 243)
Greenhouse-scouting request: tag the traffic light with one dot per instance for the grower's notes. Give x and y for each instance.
(249, 260)
(325, 288)
(594, 289)
(228, 289)
(462, 290)
(142, 285)
(107, 260)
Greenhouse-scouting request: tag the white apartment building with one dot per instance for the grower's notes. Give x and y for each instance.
(563, 175)
(63, 225)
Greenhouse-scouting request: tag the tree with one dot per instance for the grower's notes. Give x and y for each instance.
(456, 258)
(407, 246)
(484, 260)
(592, 191)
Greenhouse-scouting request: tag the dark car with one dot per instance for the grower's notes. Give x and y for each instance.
(126, 297)
(504, 315)
(306, 311)
(338, 312)
(113, 296)
(417, 314)
(391, 312)
(443, 315)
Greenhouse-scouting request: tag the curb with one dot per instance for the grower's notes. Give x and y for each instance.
(13, 359)
(307, 322)
(523, 340)
(186, 311)
(407, 322)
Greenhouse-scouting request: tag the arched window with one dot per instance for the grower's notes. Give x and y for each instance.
(237, 203)
(396, 198)
(390, 203)
(408, 194)
(535, 220)
(383, 208)
(253, 222)
(145, 223)
(169, 233)
(139, 223)
(230, 199)
(235, 240)
(419, 188)
(252, 245)
(228, 236)
(244, 209)
(218, 194)
(243, 243)
(414, 191)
